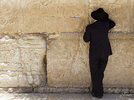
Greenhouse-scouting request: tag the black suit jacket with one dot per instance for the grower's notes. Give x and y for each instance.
(97, 34)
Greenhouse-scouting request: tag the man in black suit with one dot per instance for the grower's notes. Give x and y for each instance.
(100, 48)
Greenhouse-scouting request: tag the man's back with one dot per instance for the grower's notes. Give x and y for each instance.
(97, 34)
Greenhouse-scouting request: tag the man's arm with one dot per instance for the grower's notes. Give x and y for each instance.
(111, 23)
(87, 34)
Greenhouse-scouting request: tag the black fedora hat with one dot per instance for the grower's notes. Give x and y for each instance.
(99, 14)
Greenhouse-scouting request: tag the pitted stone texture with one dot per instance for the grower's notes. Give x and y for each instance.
(31, 16)
(8, 79)
(67, 61)
(11, 18)
(22, 60)
(57, 8)
(54, 15)
(53, 24)
(121, 11)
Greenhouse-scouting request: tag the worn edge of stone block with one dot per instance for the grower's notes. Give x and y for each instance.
(22, 34)
(16, 90)
(108, 90)
(113, 35)
(60, 90)
(119, 90)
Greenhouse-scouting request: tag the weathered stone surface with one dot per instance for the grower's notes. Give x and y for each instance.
(60, 90)
(131, 20)
(67, 61)
(8, 79)
(22, 60)
(31, 16)
(11, 19)
(67, 64)
(57, 8)
(53, 24)
(120, 69)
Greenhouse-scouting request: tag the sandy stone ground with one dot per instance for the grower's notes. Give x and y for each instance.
(62, 96)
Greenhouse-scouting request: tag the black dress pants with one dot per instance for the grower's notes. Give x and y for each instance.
(97, 68)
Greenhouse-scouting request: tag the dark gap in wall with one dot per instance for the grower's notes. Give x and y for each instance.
(45, 69)
(45, 61)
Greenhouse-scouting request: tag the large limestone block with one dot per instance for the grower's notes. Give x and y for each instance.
(23, 58)
(56, 8)
(65, 24)
(53, 24)
(30, 16)
(120, 69)
(54, 15)
(121, 11)
(67, 61)
(65, 10)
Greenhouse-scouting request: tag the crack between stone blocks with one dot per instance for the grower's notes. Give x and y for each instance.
(45, 61)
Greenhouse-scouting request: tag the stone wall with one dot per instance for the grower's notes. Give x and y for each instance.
(41, 43)
(22, 60)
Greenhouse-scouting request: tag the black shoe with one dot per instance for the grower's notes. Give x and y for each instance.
(97, 96)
